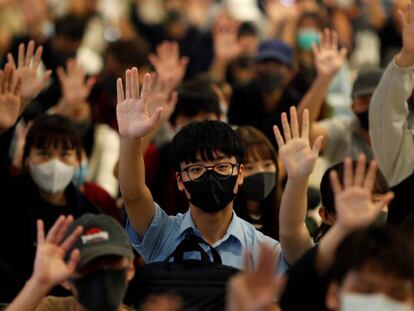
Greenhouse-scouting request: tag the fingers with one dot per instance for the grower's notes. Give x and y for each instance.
(278, 136)
(335, 183)
(38, 57)
(317, 145)
(267, 262)
(156, 116)
(305, 124)
(120, 91)
(70, 240)
(56, 233)
(90, 83)
(40, 232)
(385, 201)
(173, 100)
(61, 74)
(348, 174)
(128, 84)
(146, 89)
(371, 175)
(29, 53)
(294, 125)
(73, 261)
(360, 171)
(134, 83)
(10, 59)
(20, 59)
(286, 127)
(247, 262)
(46, 76)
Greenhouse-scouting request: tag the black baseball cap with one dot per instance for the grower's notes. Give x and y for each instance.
(102, 236)
(367, 81)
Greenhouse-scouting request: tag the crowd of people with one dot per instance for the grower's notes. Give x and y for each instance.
(206, 155)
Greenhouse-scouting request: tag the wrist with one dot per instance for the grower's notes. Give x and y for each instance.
(405, 59)
(297, 180)
(39, 286)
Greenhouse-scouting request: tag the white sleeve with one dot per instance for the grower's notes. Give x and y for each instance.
(390, 124)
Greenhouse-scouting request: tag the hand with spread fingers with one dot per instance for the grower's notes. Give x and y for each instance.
(161, 96)
(50, 267)
(328, 57)
(168, 64)
(75, 87)
(406, 57)
(133, 114)
(294, 147)
(353, 199)
(10, 101)
(256, 289)
(226, 44)
(27, 71)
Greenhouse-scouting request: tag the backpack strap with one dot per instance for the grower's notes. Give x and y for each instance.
(191, 243)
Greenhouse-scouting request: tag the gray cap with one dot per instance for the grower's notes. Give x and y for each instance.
(102, 236)
(367, 81)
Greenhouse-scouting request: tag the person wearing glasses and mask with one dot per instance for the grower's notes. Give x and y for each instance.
(207, 157)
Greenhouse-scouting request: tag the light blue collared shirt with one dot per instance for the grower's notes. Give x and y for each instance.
(166, 232)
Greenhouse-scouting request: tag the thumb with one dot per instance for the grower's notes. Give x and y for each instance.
(156, 116)
(317, 145)
(388, 197)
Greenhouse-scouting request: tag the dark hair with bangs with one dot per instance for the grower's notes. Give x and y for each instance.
(51, 131)
(381, 249)
(328, 197)
(205, 139)
(257, 146)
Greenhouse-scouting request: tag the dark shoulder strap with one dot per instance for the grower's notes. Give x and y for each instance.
(191, 243)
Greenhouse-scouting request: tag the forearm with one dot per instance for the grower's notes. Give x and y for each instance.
(376, 14)
(29, 297)
(294, 237)
(314, 97)
(327, 247)
(135, 193)
(389, 121)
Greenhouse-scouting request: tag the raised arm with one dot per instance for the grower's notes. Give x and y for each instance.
(328, 60)
(390, 130)
(354, 208)
(299, 160)
(134, 122)
(50, 267)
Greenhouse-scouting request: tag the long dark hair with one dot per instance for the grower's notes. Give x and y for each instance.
(258, 147)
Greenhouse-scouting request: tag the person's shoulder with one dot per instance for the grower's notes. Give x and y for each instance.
(56, 303)
(253, 234)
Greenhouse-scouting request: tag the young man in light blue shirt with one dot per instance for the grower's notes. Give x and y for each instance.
(207, 157)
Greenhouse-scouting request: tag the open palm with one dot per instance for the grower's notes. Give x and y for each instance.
(294, 149)
(50, 267)
(328, 58)
(134, 118)
(27, 71)
(353, 199)
(407, 19)
(10, 103)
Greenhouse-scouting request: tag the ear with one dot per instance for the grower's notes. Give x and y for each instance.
(180, 183)
(327, 218)
(240, 177)
(131, 271)
(332, 300)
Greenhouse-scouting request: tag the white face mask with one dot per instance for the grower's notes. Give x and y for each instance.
(373, 302)
(52, 176)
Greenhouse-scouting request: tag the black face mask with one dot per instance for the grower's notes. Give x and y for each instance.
(102, 290)
(363, 118)
(210, 193)
(269, 83)
(257, 187)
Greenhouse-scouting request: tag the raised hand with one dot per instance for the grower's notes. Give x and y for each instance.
(226, 45)
(328, 58)
(278, 12)
(353, 199)
(294, 149)
(75, 88)
(27, 71)
(161, 96)
(168, 64)
(50, 267)
(10, 102)
(258, 289)
(132, 111)
(406, 57)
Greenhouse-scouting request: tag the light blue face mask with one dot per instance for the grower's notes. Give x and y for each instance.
(80, 174)
(373, 302)
(306, 37)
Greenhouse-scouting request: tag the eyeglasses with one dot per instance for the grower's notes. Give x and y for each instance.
(222, 171)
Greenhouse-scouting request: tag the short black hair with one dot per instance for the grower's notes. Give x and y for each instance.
(71, 27)
(53, 130)
(247, 29)
(130, 52)
(194, 97)
(205, 138)
(327, 195)
(382, 249)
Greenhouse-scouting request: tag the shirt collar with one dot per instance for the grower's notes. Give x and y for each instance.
(235, 228)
